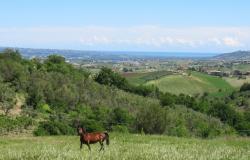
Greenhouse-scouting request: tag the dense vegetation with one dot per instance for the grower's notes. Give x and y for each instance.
(14, 124)
(225, 109)
(59, 97)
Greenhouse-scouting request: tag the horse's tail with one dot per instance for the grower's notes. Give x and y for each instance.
(107, 137)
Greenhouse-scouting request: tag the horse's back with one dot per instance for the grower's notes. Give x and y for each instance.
(94, 137)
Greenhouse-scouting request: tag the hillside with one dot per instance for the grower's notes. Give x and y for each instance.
(142, 78)
(196, 83)
(237, 55)
(59, 97)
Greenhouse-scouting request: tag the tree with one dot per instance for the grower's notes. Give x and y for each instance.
(225, 112)
(245, 87)
(151, 119)
(11, 54)
(167, 99)
(107, 77)
(7, 98)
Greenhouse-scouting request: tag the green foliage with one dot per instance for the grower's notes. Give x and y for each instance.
(146, 91)
(245, 87)
(62, 97)
(7, 97)
(11, 54)
(167, 99)
(107, 77)
(120, 129)
(225, 112)
(53, 128)
(45, 108)
(121, 116)
(147, 120)
(11, 124)
(194, 124)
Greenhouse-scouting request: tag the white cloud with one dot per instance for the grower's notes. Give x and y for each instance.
(216, 41)
(139, 37)
(229, 41)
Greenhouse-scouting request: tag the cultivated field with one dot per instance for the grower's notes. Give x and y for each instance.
(127, 147)
(235, 82)
(242, 67)
(142, 78)
(193, 84)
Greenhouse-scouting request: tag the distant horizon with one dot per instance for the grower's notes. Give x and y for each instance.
(136, 53)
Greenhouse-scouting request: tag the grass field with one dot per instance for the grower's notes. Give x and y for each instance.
(196, 83)
(142, 78)
(235, 82)
(242, 67)
(126, 147)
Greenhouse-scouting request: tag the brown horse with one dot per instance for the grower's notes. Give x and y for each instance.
(91, 138)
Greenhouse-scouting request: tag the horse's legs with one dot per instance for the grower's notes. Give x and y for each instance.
(102, 148)
(89, 146)
(80, 144)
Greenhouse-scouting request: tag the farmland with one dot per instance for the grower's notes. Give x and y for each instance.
(142, 78)
(235, 82)
(196, 83)
(127, 146)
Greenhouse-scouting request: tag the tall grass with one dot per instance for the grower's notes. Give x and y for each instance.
(126, 147)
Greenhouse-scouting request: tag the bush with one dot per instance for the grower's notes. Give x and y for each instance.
(92, 125)
(45, 108)
(18, 124)
(245, 87)
(151, 119)
(53, 128)
(120, 128)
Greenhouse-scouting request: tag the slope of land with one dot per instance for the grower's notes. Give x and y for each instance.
(237, 55)
(193, 84)
(236, 82)
(142, 78)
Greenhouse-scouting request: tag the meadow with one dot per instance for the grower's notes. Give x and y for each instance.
(143, 77)
(242, 67)
(235, 82)
(126, 147)
(193, 84)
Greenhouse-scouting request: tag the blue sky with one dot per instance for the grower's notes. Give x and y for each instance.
(140, 25)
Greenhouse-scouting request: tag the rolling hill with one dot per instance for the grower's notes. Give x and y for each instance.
(237, 55)
(196, 83)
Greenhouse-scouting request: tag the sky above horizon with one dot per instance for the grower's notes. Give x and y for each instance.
(129, 25)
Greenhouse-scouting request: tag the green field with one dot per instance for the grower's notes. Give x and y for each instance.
(196, 83)
(193, 84)
(235, 82)
(242, 67)
(142, 78)
(126, 147)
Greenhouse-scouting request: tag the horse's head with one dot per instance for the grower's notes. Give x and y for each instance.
(81, 130)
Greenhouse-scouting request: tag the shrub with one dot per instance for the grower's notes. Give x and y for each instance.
(18, 124)
(120, 128)
(53, 128)
(151, 119)
(45, 108)
(245, 87)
